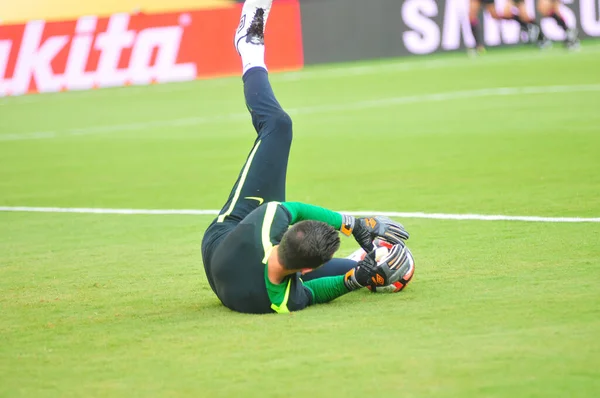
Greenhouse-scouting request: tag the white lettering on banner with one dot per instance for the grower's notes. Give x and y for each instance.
(165, 68)
(491, 30)
(154, 52)
(79, 55)
(456, 24)
(111, 44)
(500, 32)
(5, 46)
(590, 18)
(426, 35)
(34, 60)
(424, 38)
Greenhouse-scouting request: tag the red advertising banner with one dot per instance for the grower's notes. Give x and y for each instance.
(124, 49)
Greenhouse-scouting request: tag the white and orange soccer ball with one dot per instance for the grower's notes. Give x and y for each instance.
(399, 282)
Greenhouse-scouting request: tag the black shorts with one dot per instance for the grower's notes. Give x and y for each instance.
(213, 236)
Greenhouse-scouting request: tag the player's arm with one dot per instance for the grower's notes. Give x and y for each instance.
(364, 230)
(325, 289)
(303, 211)
(367, 272)
(299, 295)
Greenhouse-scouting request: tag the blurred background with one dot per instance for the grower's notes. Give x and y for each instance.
(58, 45)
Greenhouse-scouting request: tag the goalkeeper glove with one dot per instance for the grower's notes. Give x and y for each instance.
(392, 267)
(365, 230)
(360, 275)
(371, 272)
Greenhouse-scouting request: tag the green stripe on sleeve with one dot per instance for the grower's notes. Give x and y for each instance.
(327, 288)
(302, 211)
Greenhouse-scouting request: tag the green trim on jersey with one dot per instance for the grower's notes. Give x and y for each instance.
(278, 294)
(302, 211)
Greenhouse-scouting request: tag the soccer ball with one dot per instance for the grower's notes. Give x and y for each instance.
(399, 282)
(403, 280)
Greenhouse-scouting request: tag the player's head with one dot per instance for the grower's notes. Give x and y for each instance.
(308, 245)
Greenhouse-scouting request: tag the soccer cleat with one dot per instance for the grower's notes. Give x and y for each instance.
(251, 29)
(572, 34)
(573, 45)
(473, 52)
(544, 43)
(533, 33)
(572, 41)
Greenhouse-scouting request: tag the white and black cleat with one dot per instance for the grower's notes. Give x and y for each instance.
(252, 24)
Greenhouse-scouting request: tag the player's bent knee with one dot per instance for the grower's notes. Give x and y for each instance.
(281, 124)
(283, 120)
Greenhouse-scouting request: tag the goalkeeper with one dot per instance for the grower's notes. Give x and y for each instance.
(252, 257)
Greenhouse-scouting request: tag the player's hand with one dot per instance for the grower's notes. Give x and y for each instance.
(360, 275)
(391, 267)
(365, 230)
(373, 273)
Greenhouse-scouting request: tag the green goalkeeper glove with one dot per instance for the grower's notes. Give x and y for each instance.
(365, 230)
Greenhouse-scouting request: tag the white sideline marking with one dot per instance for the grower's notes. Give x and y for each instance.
(360, 105)
(27, 136)
(435, 216)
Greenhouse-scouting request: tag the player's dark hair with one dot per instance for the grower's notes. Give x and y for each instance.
(308, 244)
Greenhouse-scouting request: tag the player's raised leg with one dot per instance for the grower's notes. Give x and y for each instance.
(263, 176)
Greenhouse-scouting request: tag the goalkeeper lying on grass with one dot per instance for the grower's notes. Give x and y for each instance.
(253, 259)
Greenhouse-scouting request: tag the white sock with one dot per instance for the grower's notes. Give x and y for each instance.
(252, 55)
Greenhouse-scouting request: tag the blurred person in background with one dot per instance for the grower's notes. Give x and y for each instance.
(527, 23)
(529, 26)
(551, 9)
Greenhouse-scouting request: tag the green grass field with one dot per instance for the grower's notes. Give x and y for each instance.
(112, 305)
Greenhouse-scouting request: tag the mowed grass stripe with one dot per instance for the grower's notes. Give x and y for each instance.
(324, 108)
